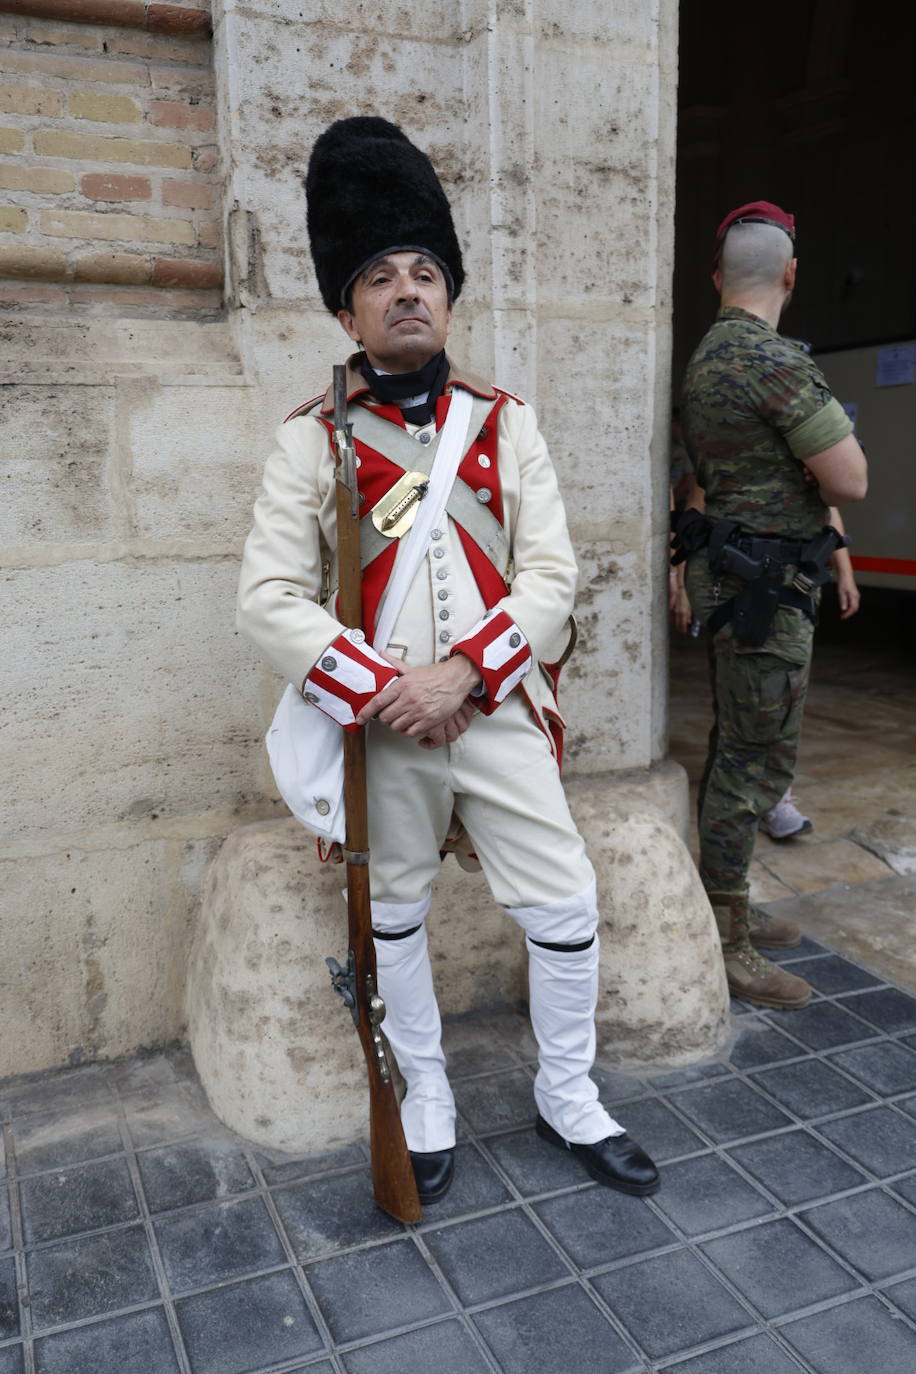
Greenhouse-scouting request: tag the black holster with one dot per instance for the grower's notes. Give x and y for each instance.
(760, 562)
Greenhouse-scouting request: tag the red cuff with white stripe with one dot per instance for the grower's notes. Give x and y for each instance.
(346, 676)
(500, 653)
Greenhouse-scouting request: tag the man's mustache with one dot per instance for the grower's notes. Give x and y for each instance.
(416, 313)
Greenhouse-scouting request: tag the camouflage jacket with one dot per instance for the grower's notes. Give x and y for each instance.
(754, 407)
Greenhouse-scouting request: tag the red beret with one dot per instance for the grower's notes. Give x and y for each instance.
(756, 212)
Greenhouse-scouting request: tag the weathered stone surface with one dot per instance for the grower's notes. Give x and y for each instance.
(195, 456)
(603, 685)
(134, 698)
(97, 943)
(597, 152)
(602, 464)
(893, 838)
(663, 997)
(55, 444)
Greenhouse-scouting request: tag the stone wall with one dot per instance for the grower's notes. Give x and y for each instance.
(133, 448)
(109, 171)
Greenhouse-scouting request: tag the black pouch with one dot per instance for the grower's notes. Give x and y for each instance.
(755, 606)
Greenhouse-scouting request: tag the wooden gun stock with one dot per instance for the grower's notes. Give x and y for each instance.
(392, 1174)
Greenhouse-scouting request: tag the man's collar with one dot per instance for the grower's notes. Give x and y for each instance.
(357, 388)
(737, 312)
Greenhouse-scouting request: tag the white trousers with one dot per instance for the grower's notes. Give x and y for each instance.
(504, 784)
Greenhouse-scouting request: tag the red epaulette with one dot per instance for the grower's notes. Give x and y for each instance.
(501, 390)
(304, 409)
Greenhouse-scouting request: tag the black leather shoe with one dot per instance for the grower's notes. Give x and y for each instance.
(433, 1171)
(617, 1162)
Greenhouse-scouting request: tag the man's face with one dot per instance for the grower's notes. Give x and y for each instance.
(399, 311)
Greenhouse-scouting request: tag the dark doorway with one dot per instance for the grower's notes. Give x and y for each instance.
(812, 104)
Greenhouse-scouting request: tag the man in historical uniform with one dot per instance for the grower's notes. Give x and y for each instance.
(773, 449)
(463, 719)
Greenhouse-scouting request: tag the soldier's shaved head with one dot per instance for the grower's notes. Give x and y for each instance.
(754, 257)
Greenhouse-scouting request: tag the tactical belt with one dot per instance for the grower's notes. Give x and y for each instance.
(760, 562)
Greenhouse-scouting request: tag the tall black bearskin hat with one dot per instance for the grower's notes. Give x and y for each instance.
(370, 191)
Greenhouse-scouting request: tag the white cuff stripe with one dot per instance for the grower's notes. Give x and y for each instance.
(335, 707)
(353, 675)
(500, 650)
(512, 681)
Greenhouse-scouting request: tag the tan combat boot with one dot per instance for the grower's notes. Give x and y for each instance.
(771, 932)
(751, 978)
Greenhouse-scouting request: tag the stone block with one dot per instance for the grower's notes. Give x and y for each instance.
(70, 68)
(363, 18)
(13, 296)
(196, 458)
(604, 685)
(41, 179)
(172, 114)
(596, 176)
(87, 224)
(126, 43)
(190, 194)
(141, 152)
(599, 444)
(68, 36)
(13, 219)
(628, 24)
(97, 966)
(30, 100)
(278, 1057)
(54, 441)
(127, 269)
(103, 108)
(111, 186)
(187, 274)
(663, 997)
(11, 140)
(131, 696)
(28, 260)
(279, 1068)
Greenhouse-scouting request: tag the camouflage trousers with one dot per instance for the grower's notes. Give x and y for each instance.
(758, 697)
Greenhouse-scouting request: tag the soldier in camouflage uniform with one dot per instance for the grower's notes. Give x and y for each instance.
(772, 449)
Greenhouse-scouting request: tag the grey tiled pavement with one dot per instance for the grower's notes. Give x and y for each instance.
(138, 1237)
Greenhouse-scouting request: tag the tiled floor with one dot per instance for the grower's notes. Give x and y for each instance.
(137, 1237)
(851, 882)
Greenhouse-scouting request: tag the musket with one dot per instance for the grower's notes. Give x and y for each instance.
(392, 1175)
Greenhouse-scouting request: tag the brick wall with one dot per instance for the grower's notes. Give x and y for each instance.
(110, 182)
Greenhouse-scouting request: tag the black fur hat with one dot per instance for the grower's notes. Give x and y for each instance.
(370, 191)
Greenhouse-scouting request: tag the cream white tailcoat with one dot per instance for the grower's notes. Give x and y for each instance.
(295, 526)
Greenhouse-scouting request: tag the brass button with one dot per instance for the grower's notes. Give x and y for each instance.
(322, 806)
